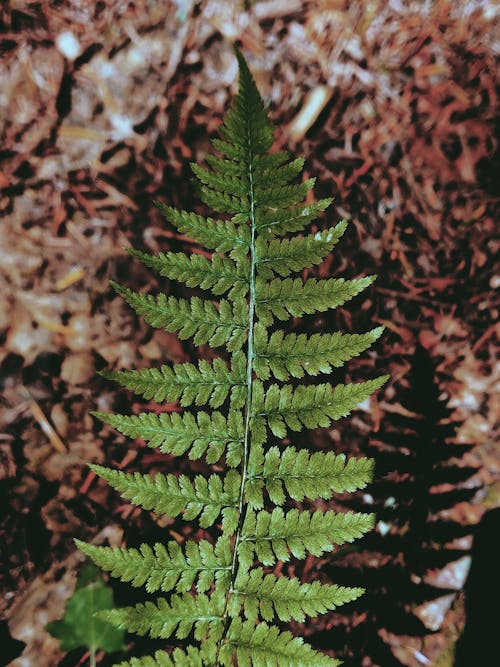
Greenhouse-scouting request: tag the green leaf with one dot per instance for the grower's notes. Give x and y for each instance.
(224, 178)
(310, 406)
(268, 596)
(275, 171)
(293, 297)
(220, 274)
(192, 318)
(224, 203)
(219, 235)
(181, 614)
(263, 199)
(267, 164)
(247, 124)
(300, 474)
(172, 494)
(209, 383)
(191, 657)
(166, 567)
(80, 626)
(267, 646)
(295, 254)
(273, 196)
(292, 219)
(298, 354)
(176, 434)
(273, 536)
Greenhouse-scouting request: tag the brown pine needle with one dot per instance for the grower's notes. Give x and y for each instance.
(47, 427)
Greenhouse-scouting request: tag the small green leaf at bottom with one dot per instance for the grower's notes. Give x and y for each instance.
(80, 627)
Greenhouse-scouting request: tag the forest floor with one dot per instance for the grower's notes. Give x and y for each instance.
(102, 107)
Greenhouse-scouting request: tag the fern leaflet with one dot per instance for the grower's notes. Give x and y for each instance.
(180, 615)
(302, 475)
(192, 657)
(175, 434)
(267, 596)
(209, 383)
(166, 567)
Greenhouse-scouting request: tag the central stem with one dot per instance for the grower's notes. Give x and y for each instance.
(249, 378)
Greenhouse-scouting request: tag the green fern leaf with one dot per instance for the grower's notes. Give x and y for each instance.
(293, 219)
(274, 197)
(266, 646)
(171, 495)
(268, 596)
(298, 354)
(228, 167)
(166, 567)
(267, 164)
(195, 318)
(246, 124)
(229, 150)
(263, 199)
(293, 298)
(288, 255)
(302, 475)
(176, 434)
(223, 202)
(191, 657)
(220, 274)
(180, 614)
(273, 536)
(278, 173)
(310, 406)
(209, 383)
(221, 181)
(222, 236)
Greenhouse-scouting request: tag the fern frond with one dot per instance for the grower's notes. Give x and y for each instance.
(246, 125)
(307, 406)
(267, 167)
(176, 434)
(280, 174)
(298, 354)
(268, 596)
(302, 475)
(222, 236)
(219, 274)
(171, 495)
(191, 657)
(268, 163)
(273, 196)
(224, 179)
(194, 318)
(221, 192)
(294, 219)
(180, 614)
(166, 567)
(223, 202)
(229, 167)
(229, 150)
(250, 264)
(265, 646)
(273, 536)
(293, 297)
(209, 383)
(288, 255)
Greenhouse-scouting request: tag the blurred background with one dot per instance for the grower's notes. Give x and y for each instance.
(394, 105)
